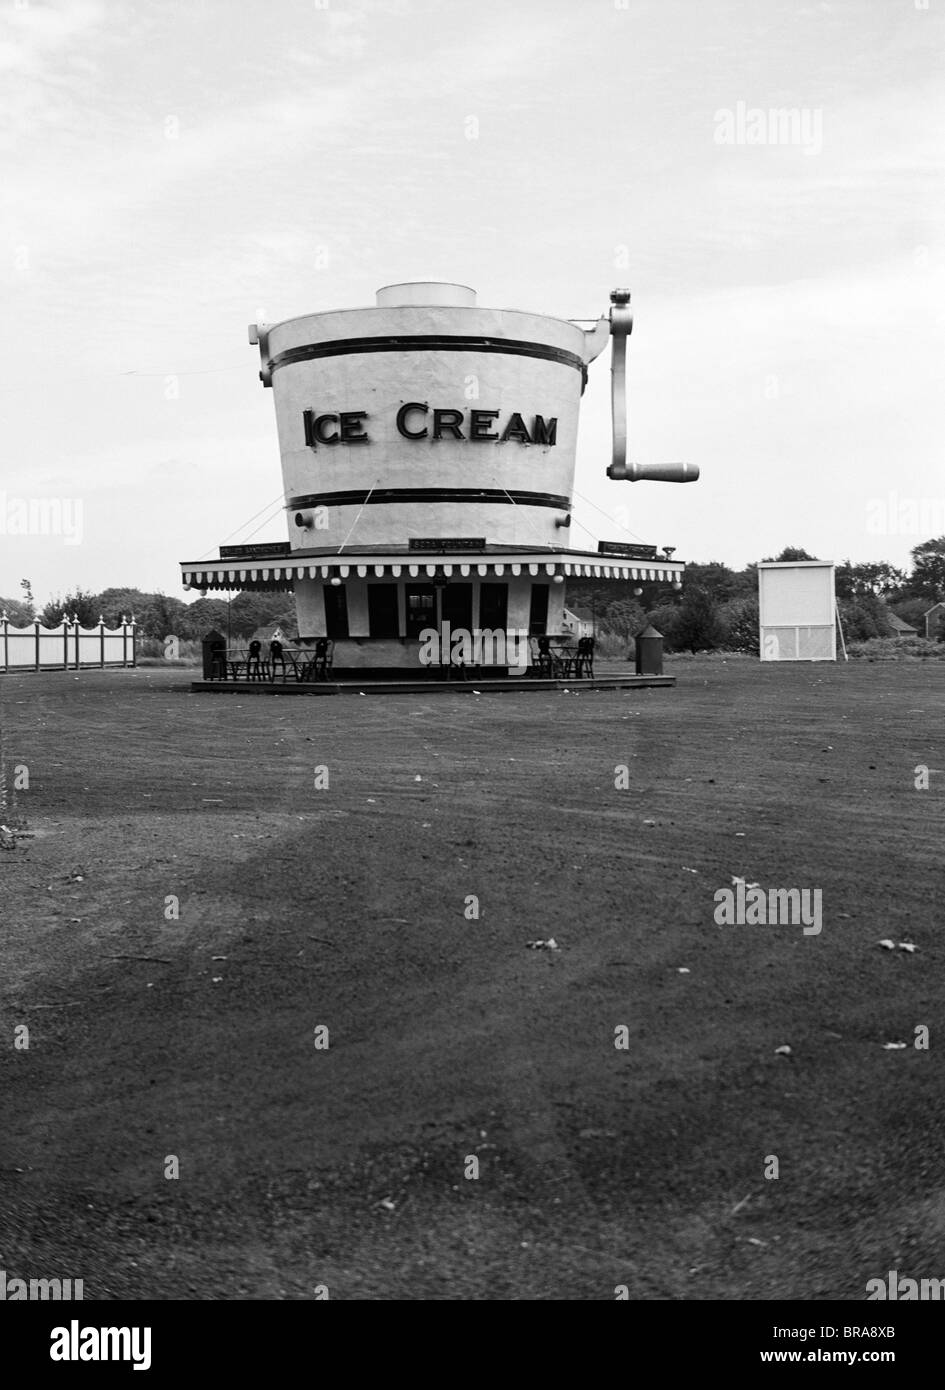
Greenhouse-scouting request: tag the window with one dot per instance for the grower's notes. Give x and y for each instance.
(538, 614)
(382, 610)
(421, 608)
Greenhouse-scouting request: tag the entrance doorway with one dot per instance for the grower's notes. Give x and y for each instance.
(336, 612)
(382, 610)
(494, 607)
(538, 613)
(456, 607)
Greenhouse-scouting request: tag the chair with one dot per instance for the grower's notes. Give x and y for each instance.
(321, 662)
(256, 668)
(542, 657)
(584, 661)
(276, 658)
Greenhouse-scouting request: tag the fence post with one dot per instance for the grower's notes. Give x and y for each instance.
(134, 641)
(6, 642)
(37, 644)
(101, 640)
(77, 629)
(65, 642)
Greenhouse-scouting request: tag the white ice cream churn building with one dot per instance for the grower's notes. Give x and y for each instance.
(428, 455)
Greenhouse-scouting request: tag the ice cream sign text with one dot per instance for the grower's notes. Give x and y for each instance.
(416, 420)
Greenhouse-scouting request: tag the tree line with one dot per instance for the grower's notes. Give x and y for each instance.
(157, 615)
(717, 607)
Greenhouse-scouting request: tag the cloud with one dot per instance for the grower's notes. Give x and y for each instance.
(174, 171)
(32, 33)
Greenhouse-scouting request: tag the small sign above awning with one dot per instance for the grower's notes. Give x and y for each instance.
(474, 543)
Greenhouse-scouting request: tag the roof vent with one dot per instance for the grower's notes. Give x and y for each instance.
(426, 292)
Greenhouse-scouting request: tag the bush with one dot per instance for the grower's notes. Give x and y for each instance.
(623, 617)
(721, 654)
(862, 618)
(697, 627)
(896, 649)
(664, 619)
(612, 644)
(18, 613)
(80, 604)
(739, 621)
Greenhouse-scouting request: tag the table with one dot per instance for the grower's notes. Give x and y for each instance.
(564, 658)
(302, 661)
(235, 659)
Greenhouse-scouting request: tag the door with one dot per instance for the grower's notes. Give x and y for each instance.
(336, 611)
(456, 607)
(538, 613)
(382, 610)
(493, 607)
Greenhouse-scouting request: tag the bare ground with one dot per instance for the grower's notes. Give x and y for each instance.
(450, 1039)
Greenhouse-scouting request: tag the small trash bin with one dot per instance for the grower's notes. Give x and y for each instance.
(649, 644)
(214, 656)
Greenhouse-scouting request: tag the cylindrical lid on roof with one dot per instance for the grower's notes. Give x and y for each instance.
(424, 292)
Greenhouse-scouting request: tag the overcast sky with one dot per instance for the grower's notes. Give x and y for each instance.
(173, 172)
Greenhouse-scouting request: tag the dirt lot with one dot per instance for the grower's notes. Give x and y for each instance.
(345, 906)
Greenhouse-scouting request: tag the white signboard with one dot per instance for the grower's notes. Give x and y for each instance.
(797, 611)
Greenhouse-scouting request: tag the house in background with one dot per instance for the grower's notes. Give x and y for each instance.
(269, 632)
(900, 628)
(578, 621)
(934, 619)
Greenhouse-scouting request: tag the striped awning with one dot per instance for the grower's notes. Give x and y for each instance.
(224, 574)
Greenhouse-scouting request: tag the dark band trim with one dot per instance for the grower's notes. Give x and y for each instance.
(379, 495)
(428, 342)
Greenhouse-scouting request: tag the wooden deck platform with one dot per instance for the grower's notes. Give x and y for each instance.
(486, 686)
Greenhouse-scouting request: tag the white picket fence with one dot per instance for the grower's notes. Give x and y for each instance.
(68, 647)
